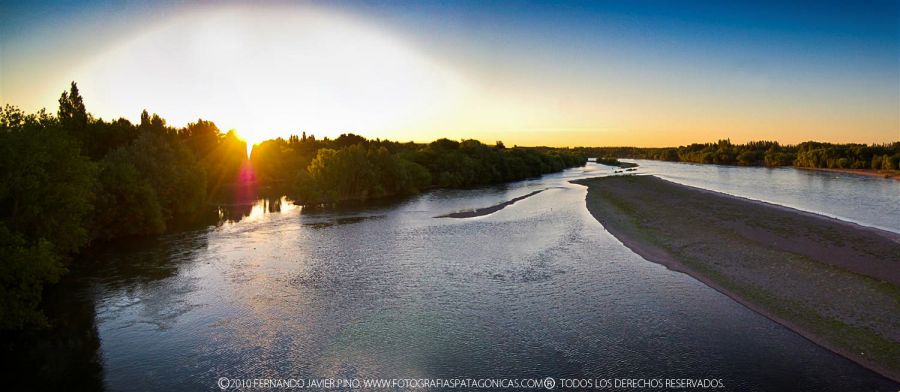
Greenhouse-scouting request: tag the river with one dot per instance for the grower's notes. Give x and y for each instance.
(870, 201)
(538, 289)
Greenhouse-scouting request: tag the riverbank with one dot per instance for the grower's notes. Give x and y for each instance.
(892, 174)
(833, 282)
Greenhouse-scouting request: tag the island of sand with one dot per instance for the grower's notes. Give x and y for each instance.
(836, 283)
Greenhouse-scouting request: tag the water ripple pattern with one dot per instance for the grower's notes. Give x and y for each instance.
(535, 289)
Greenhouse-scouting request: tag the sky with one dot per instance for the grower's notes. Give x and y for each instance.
(598, 73)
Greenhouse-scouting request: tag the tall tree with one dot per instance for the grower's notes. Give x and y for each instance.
(72, 115)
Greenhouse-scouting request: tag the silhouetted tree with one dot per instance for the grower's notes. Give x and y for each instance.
(72, 114)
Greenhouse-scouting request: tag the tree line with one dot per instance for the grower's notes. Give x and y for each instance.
(767, 153)
(71, 179)
(351, 167)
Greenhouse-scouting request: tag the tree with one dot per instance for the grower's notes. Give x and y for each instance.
(72, 113)
(46, 191)
(152, 123)
(223, 164)
(25, 267)
(201, 137)
(171, 170)
(47, 185)
(127, 203)
(145, 119)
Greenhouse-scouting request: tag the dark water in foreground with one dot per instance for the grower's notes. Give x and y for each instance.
(538, 289)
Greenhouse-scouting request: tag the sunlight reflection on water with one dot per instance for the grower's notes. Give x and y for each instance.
(536, 289)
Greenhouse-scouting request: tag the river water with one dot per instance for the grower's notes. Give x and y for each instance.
(538, 289)
(871, 201)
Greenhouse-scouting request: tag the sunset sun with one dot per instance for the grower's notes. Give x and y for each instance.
(272, 72)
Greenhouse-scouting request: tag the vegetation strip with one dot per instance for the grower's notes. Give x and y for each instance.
(880, 160)
(833, 282)
(615, 162)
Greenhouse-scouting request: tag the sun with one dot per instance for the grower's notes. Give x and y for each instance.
(248, 143)
(273, 72)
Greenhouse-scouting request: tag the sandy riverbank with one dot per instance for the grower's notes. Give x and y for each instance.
(891, 174)
(834, 282)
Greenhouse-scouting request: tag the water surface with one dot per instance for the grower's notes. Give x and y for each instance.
(537, 289)
(871, 201)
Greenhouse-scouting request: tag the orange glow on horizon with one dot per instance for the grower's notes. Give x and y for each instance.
(273, 71)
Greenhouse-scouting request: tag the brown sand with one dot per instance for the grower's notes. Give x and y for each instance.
(834, 282)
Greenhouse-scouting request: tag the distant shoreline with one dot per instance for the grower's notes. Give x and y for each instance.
(835, 283)
(894, 174)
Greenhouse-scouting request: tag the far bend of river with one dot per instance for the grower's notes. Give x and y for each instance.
(538, 289)
(870, 201)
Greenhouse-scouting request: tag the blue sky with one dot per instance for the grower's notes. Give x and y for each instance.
(629, 72)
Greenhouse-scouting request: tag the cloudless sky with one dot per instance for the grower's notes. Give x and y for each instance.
(646, 73)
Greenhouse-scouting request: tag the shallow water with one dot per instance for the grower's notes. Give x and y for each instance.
(537, 289)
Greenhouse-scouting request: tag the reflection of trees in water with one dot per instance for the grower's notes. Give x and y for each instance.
(64, 357)
(141, 261)
(232, 213)
(273, 204)
(67, 356)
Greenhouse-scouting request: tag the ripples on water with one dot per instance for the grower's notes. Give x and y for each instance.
(536, 289)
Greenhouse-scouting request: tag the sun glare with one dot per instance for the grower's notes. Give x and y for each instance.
(250, 144)
(269, 73)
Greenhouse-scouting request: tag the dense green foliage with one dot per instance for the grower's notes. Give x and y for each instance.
(614, 162)
(146, 185)
(354, 168)
(768, 153)
(71, 179)
(358, 172)
(46, 196)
